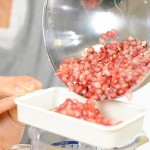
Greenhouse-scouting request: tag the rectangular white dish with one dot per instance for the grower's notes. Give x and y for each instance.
(34, 110)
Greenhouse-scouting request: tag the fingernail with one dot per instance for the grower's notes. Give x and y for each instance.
(33, 84)
(38, 83)
(19, 91)
(29, 85)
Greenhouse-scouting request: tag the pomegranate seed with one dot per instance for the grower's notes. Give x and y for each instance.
(114, 81)
(90, 50)
(107, 46)
(104, 36)
(91, 3)
(114, 33)
(102, 41)
(109, 34)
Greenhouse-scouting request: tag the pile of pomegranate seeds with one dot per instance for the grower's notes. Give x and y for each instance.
(85, 111)
(111, 72)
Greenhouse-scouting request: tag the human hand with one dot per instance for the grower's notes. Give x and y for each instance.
(10, 88)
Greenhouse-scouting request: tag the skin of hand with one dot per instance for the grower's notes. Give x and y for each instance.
(11, 130)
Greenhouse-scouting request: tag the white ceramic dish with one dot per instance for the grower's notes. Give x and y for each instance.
(34, 110)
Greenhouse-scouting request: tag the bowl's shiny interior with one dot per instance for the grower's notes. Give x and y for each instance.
(69, 26)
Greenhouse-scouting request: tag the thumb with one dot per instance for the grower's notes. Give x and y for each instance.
(7, 103)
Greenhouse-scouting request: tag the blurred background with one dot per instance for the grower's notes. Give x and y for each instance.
(22, 50)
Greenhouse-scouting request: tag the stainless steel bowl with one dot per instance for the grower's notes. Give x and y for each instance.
(70, 26)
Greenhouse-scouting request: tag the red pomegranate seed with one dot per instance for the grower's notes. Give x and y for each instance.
(91, 3)
(114, 33)
(107, 46)
(114, 81)
(90, 50)
(109, 34)
(105, 36)
(101, 40)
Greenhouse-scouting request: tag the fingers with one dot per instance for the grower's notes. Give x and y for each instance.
(12, 87)
(18, 85)
(26, 83)
(9, 89)
(29, 83)
(6, 104)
